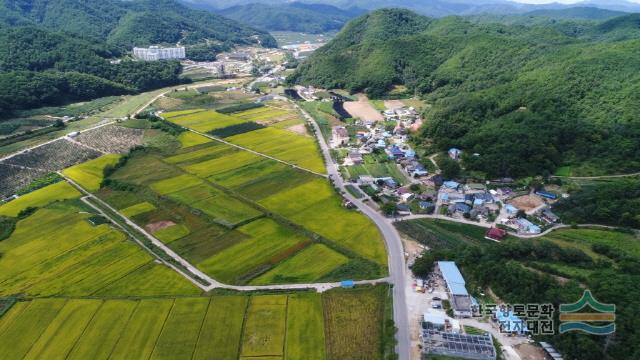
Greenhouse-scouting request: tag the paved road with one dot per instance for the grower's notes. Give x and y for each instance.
(195, 272)
(392, 240)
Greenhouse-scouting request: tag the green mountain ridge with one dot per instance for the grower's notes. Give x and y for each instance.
(129, 23)
(298, 17)
(56, 51)
(526, 99)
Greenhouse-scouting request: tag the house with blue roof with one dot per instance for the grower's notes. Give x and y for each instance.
(511, 210)
(460, 207)
(396, 152)
(454, 153)
(527, 226)
(410, 154)
(451, 184)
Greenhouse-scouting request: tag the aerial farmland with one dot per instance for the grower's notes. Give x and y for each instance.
(166, 237)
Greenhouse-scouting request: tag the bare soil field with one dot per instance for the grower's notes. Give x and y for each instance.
(530, 352)
(393, 104)
(526, 202)
(298, 129)
(156, 226)
(362, 109)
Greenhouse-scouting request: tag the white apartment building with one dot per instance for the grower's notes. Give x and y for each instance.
(153, 53)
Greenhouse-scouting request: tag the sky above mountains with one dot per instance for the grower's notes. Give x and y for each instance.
(559, 1)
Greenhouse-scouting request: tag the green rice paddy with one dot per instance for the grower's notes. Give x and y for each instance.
(41, 197)
(284, 145)
(89, 174)
(295, 326)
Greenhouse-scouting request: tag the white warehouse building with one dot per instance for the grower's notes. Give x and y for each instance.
(153, 53)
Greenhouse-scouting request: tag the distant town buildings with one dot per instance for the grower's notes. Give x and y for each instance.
(154, 53)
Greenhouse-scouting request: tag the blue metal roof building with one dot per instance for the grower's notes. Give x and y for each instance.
(546, 194)
(453, 277)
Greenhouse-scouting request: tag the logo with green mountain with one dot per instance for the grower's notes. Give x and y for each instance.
(599, 322)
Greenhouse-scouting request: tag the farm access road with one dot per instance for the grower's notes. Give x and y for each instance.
(395, 251)
(189, 271)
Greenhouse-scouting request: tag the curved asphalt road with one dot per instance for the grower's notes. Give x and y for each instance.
(392, 240)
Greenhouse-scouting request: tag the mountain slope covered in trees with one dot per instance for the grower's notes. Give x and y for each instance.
(526, 99)
(299, 17)
(128, 23)
(56, 51)
(39, 68)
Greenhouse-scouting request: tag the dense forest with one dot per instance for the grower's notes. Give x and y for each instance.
(613, 202)
(525, 99)
(56, 51)
(298, 17)
(39, 68)
(129, 23)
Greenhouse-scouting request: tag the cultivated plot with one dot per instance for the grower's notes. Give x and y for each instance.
(284, 145)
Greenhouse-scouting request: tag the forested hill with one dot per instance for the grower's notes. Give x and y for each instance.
(309, 18)
(128, 23)
(39, 68)
(526, 99)
(56, 51)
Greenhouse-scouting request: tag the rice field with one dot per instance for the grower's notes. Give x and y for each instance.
(41, 197)
(204, 121)
(189, 139)
(171, 233)
(89, 174)
(284, 145)
(137, 209)
(294, 326)
(314, 206)
(209, 200)
(308, 265)
(353, 326)
(265, 326)
(58, 252)
(266, 244)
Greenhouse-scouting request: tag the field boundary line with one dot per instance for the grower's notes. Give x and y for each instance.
(204, 319)
(286, 330)
(122, 277)
(244, 322)
(75, 343)
(126, 324)
(66, 301)
(215, 138)
(155, 343)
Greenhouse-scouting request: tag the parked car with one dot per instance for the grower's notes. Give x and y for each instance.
(436, 298)
(436, 306)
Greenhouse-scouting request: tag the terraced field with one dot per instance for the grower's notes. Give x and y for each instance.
(284, 326)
